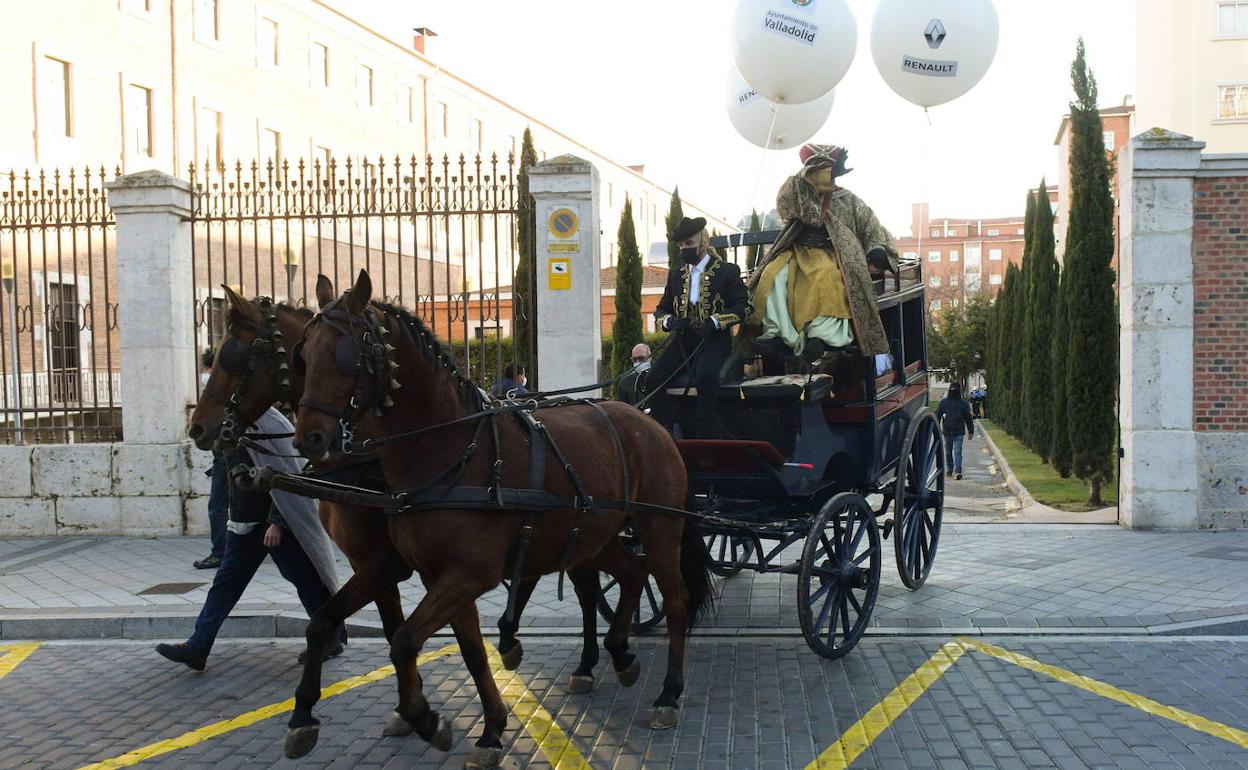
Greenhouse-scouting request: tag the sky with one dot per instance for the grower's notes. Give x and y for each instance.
(643, 82)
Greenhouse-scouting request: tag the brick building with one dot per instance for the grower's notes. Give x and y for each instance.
(963, 257)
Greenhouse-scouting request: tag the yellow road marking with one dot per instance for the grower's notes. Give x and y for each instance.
(202, 734)
(1147, 705)
(14, 654)
(535, 720)
(863, 733)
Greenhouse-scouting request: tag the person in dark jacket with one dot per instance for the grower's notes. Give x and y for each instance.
(633, 382)
(512, 383)
(704, 298)
(256, 529)
(956, 423)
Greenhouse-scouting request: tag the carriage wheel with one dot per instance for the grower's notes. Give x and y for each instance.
(650, 611)
(919, 494)
(839, 576)
(729, 553)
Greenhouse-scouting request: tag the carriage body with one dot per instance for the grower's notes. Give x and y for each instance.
(820, 469)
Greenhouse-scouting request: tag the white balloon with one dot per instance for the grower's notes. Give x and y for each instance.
(794, 51)
(933, 51)
(752, 115)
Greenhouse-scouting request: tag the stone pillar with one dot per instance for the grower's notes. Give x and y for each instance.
(569, 298)
(156, 305)
(1159, 469)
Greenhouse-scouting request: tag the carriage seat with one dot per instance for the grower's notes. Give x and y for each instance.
(786, 387)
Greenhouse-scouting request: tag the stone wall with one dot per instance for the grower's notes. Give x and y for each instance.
(103, 489)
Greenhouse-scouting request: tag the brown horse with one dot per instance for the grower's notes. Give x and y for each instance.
(383, 373)
(247, 377)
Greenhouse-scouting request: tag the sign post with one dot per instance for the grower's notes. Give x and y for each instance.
(569, 299)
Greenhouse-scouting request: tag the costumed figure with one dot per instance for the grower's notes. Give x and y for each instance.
(704, 298)
(813, 290)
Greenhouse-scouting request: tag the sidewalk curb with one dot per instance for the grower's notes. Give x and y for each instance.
(1028, 505)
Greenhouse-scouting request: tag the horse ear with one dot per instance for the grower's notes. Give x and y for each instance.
(360, 294)
(237, 303)
(324, 291)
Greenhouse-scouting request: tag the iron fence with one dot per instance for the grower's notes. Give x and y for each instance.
(59, 343)
(437, 237)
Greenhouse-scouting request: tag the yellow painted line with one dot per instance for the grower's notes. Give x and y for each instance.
(1147, 705)
(535, 720)
(863, 733)
(14, 654)
(215, 729)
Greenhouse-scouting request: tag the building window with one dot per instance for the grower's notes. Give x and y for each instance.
(1022, 231)
(994, 255)
(1232, 19)
(1108, 138)
(318, 65)
(935, 233)
(138, 119)
(210, 138)
(610, 194)
(994, 232)
(1233, 101)
(933, 256)
(407, 105)
(56, 105)
(323, 156)
(63, 335)
(216, 323)
(477, 140)
(934, 281)
(953, 256)
(137, 6)
(268, 52)
(207, 20)
(444, 115)
(910, 256)
(953, 280)
(364, 86)
(512, 141)
(994, 279)
(935, 304)
(270, 146)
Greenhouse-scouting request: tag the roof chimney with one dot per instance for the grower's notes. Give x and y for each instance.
(420, 40)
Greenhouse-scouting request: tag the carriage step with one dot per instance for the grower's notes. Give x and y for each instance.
(886, 529)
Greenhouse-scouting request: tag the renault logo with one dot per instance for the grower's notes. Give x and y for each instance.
(935, 34)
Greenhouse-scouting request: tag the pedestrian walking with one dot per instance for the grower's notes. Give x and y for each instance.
(261, 524)
(956, 423)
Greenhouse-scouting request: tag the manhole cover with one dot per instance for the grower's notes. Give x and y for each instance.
(170, 588)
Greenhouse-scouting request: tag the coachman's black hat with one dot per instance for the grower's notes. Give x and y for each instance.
(688, 228)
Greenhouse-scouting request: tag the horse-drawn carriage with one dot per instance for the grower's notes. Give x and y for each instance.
(791, 490)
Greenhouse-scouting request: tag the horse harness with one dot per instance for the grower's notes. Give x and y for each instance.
(241, 359)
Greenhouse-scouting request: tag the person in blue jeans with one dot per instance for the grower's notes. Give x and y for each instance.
(956, 423)
(256, 530)
(218, 511)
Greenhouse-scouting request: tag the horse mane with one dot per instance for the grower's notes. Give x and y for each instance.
(427, 343)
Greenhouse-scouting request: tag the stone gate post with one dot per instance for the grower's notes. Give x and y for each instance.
(569, 299)
(1159, 468)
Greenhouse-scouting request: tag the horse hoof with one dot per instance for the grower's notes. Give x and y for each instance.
(397, 726)
(629, 676)
(579, 685)
(664, 718)
(512, 658)
(301, 740)
(484, 758)
(441, 740)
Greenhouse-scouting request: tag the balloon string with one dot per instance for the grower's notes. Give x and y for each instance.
(924, 151)
(758, 178)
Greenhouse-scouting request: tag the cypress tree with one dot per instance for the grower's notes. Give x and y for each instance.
(524, 287)
(751, 257)
(1092, 358)
(1012, 346)
(674, 214)
(1005, 392)
(1025, 380)
(1060, 437)
(1040, 329)
(626, 331)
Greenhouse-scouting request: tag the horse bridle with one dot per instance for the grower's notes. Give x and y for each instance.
(368, 359)
(240, 359)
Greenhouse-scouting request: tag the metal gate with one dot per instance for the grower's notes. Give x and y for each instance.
(437, 237)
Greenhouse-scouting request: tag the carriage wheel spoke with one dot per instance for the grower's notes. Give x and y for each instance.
(863, 556)
(844, 608)
(723, 547)
(823, 589)
(654, 604)
(854, 601)
(825, 613)
(610, 584)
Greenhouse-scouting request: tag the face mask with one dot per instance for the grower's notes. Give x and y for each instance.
(690, 254)
(522, 380)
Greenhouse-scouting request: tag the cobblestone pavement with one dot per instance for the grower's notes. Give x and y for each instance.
(987, 578)
(750, 704)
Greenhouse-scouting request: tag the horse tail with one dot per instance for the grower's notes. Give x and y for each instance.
(695, 569)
